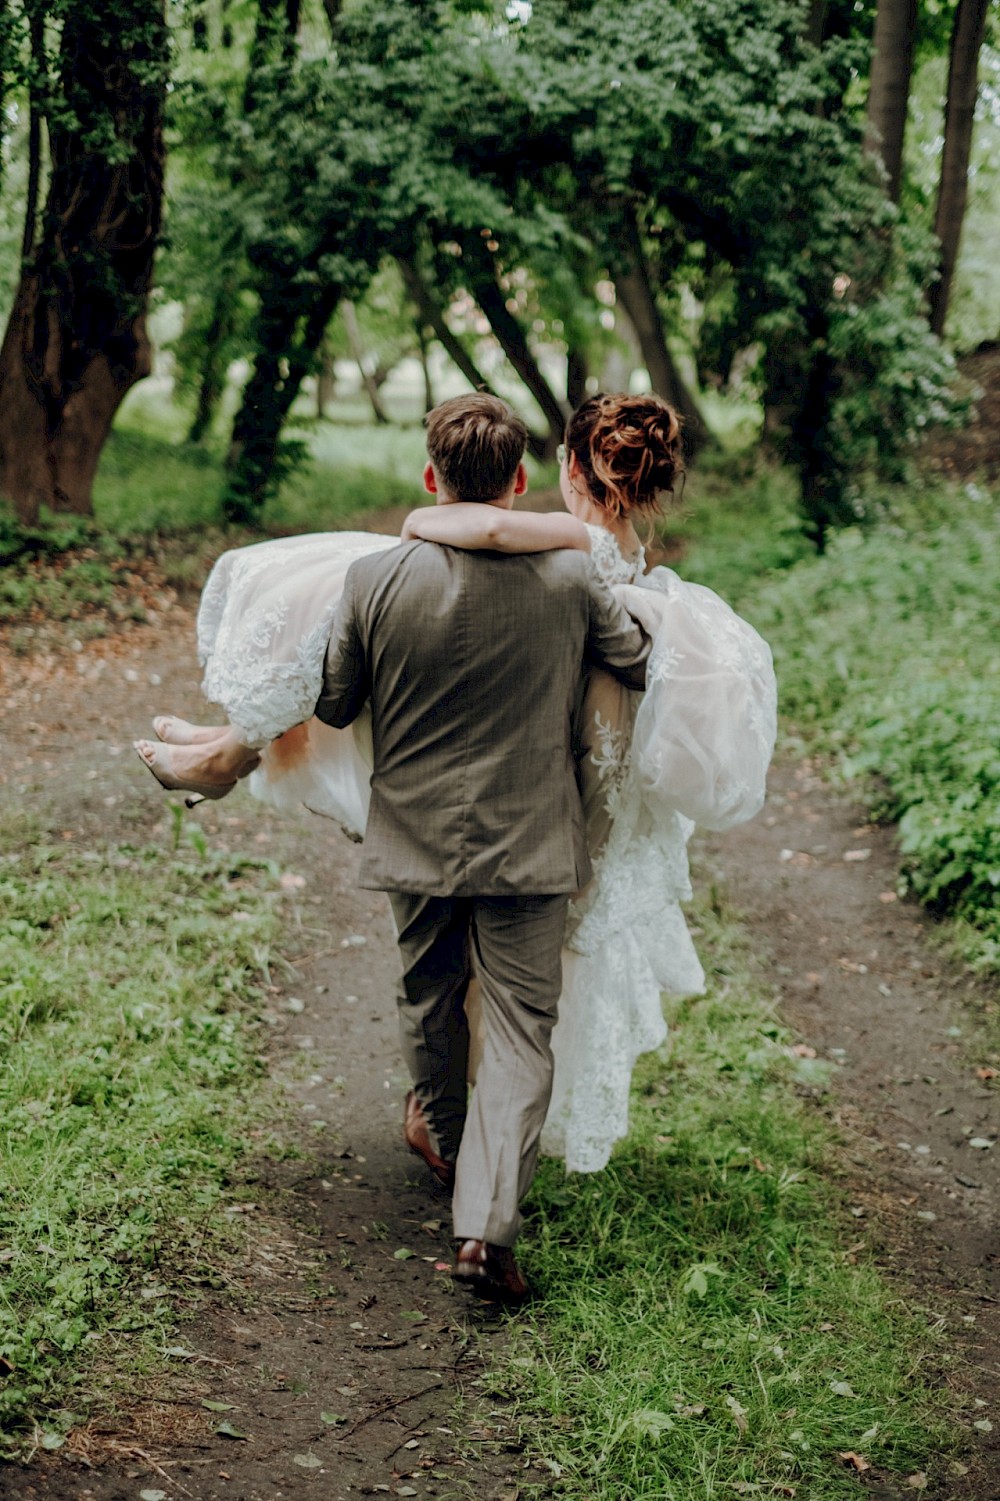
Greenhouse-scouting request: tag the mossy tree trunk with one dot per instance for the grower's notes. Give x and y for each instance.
(76, 340)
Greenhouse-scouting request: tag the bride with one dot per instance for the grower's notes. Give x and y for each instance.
(694, 748)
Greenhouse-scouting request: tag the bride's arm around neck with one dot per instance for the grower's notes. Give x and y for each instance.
(473, 526)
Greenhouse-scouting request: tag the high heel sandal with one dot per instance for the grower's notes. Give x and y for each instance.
(158, 762)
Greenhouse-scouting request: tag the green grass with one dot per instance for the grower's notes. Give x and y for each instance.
(128, 1027)
(150, 482)
(709, 1320)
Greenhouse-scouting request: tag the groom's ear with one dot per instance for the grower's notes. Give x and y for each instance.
(430, 479)
(520, 480)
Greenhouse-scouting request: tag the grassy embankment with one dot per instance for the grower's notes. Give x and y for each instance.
(888, 655)
(124, 1105)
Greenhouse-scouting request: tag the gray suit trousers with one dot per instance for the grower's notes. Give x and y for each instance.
(513, 944)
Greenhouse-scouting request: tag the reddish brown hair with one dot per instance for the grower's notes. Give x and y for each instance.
(629, 450)
(475, 444)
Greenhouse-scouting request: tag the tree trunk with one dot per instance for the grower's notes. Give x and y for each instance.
(889, 86)
(635, 291)
(358, 355)
(953, 188)
(816, 22)
(511, 338)
(425, 367)
(432, 314)
(576, 376)
(214, 363)
(36, 25)
(326, 380)
(289, 332)
(76, 340)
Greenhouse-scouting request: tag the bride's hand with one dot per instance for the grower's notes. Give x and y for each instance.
(410, 531)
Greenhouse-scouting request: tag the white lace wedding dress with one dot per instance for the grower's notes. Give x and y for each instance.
(694, 748)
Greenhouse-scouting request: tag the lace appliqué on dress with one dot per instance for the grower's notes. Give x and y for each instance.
(627, 940)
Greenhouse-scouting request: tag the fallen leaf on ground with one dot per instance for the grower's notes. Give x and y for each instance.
(307, 1461)
(403, 1254)
(152, 1496)
(651, 1423)
(981, 1143)
(226, 1430)
(917, 1482)
(842, 1388)
(983, 1425)
(739, 1413)
(217, 1406)
(855, 855)
(857, 1461)
(332, 1417)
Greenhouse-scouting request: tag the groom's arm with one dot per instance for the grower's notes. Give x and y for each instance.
(346, 679)
(615, 641)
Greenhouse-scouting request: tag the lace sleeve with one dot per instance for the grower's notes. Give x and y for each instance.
(705, 730)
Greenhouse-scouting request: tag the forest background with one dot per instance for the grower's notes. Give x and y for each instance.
(244, 244)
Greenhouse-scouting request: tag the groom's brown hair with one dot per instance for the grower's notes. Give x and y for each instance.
(475, 444)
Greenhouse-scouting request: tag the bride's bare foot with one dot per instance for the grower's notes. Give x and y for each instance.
(219, 763)
(174, 731)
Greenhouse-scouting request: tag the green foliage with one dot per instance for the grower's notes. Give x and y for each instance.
(703, 1329)
(732, 138)
(738, 524)
(886, 652)
(122, 1102)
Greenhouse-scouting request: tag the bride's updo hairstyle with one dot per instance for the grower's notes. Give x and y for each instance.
(629, 450)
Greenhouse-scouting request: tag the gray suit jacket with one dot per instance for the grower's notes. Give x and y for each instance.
(473, 663)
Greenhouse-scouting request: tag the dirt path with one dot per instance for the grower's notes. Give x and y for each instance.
(324, 1318)
(860, 980)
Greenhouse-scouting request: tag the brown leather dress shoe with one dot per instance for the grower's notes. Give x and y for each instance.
(490, 1272)
(418, 1139)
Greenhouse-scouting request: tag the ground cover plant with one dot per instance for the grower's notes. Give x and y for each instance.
(710, 1321)
(129, 981)
(887, 659)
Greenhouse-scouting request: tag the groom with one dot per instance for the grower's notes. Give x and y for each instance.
(472, 662)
